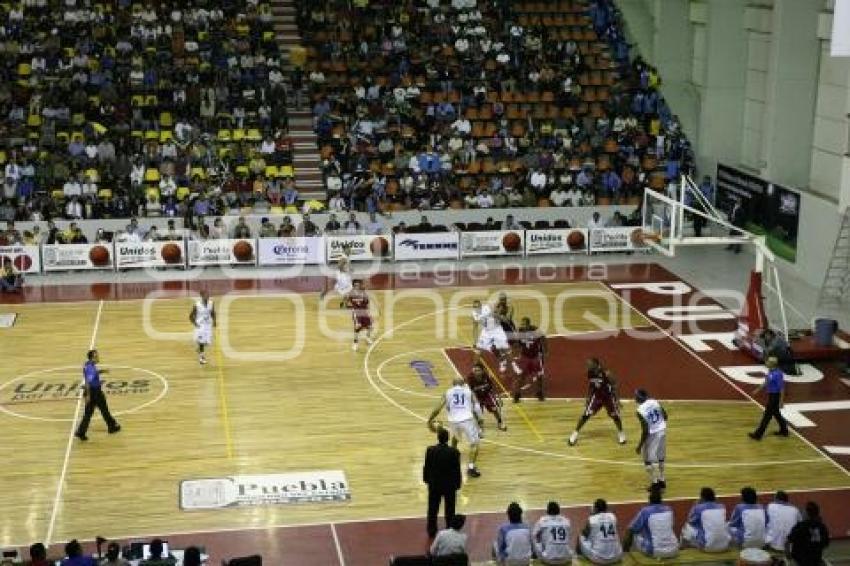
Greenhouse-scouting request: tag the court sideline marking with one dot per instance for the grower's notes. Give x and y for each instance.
(61, 485)
(719, 373)
(222, 399)
(339, 554)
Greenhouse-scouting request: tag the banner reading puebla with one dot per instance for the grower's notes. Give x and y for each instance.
(222, 252)
(273, 489)
(557, 241)
(621, 239)
(67, 257)
(769, 209)
(25, 259)
(291, 251)
(437, 245)
(360, 248)
(495, 242)
(130, 255)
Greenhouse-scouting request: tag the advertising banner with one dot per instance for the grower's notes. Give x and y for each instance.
(769, 209)
(437, 245)
(222, 252)
(623, 239)
(556, 241)
(25, 259)
(269, 489)
(65, 257)
(494, 242)
(291, 251)
(360, 248)
(133, 255)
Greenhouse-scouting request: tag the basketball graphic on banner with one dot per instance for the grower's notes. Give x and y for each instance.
(575, 240)
(171, 253)
(511, 242)
(99, 256)
(380, 247)
(22, 262)
(243, 251)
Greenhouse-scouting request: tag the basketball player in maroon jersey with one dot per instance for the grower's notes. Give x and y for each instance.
(532, 352)
(486, 393)
(602, 392)
(358, 302)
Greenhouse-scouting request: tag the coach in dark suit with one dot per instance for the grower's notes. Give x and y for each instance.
(442, 474)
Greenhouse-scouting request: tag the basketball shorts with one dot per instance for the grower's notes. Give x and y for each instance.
(203, 335)
(492, 338)
(467, 429)
(655, 447)
(343, 284)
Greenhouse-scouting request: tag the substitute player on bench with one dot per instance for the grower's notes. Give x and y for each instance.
(464, 416)
(602, 392)
(532, 353)
(653, 437)
(485, 393)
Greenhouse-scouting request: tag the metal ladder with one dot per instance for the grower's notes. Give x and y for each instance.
(836, 280)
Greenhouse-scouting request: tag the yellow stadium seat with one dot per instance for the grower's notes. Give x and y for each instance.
(62, 137)
(93, 175)
(152, 191)
(99, 128)
(34, 120)
(152, 175)
(243, 30)
(276, 209)
(271, 171)
(254, 135)
(287, 171)
(2, 157)
(104, 194)
(137, 100)
(137, 134)
(203, 35)
(290, 209)
(151, 100)
(223, 152)
(77, 136)
(165, 135)
(78, 119)
(242, 170)
(165, 120)
(268, 36)
(198, 172)
(33, 135)
(151, 135)
(182, 193)
(24, 69)
(223, 136)
(69, 52)
(238, 135)
(58, 194)
(94, 100)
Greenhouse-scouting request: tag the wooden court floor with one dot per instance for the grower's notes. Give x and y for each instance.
(256, 410)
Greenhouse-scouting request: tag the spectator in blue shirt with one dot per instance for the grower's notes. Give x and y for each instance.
(774, 385)
(707, 189)
(74, 553)
(513, 542)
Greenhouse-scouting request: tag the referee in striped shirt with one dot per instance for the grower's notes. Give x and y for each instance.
(94, 397)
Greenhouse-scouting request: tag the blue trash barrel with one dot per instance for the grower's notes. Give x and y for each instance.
(825, 329)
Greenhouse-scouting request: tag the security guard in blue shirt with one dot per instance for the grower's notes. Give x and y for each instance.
(94, 397)
(774, 384)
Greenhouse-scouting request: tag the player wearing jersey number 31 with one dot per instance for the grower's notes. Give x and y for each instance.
(464, 416)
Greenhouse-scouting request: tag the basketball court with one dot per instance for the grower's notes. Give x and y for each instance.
(285, 394)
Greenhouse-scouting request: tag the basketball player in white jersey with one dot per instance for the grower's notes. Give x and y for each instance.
(464, 416)
(344, 283)
(491, 335)
(653, 437)
(599, 542)
(203, 318)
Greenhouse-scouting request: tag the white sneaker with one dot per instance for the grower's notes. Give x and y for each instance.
(354, 346)
(621, 437)
(573, 439)
(202, 360)
(517, 370)
(369, 340)
(503, 367)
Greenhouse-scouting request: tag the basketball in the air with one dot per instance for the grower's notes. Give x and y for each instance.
(575, 240)
(99, 256)
(243, 251)
(22, 262)
(380, 246)
(511, 242)
(171, 253)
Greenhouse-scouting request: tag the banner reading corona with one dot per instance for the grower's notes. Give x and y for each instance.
(133, 255)
(25, 259)
(291, 251)
(223, 252)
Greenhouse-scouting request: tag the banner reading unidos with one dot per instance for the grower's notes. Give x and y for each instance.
(436, 245)
(68, 257)
(556, 241)
(134, 255)
(222, 252)
(495, 242)
(25, 259)
(360, 248)
(291, 251)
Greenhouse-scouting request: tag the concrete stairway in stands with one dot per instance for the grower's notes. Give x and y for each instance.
(306, 158)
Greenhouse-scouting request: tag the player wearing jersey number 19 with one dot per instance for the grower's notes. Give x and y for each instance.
(653, 437)
(464, 416)
(203, 319)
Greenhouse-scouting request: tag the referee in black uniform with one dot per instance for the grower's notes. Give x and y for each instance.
(93, 394)
(442, 474)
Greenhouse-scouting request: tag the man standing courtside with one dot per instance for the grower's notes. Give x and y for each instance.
(774, 384)
(94, 397)
(442, 474)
